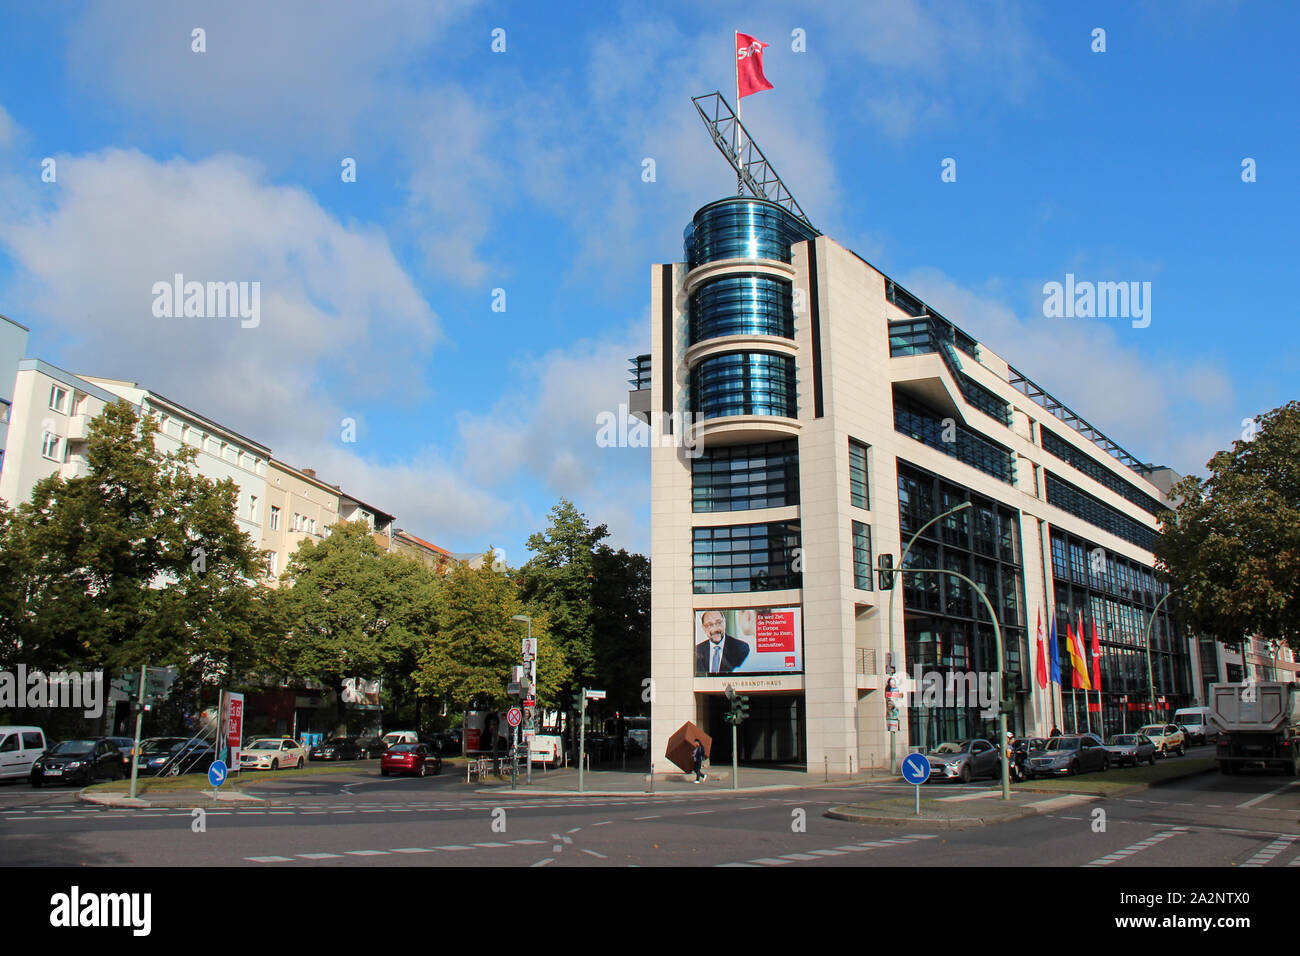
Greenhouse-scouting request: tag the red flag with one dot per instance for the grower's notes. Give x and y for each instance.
(1042, 653)
(749, 66)
(1096, 659)
(1078, 660)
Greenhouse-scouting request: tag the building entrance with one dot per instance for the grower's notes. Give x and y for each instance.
(774, 732)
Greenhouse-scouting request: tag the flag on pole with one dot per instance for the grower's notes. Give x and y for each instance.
(1042, 653)
(1096, 659)
(749, 66)
(1078, 659)
(1055, 651)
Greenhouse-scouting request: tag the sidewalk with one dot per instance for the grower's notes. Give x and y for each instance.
(172, 799)
(616, 783)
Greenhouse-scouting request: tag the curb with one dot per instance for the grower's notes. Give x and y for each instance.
(535, 792)
(948, 823)
(182, 800)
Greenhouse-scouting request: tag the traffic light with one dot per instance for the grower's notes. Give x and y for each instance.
(740, 708)
(886, 571)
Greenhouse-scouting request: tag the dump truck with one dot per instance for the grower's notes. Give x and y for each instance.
(1259, 725)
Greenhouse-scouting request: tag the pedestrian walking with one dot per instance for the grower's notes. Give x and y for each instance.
(697, 755)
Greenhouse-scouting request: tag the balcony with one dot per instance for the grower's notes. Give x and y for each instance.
(78, 427)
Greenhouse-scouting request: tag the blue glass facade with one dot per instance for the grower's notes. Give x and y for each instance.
(744, 383)
(743, 228)
(742, 305)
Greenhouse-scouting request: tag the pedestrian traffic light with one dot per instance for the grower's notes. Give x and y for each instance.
(886, 571)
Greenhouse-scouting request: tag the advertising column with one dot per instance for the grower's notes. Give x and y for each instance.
(230, 729)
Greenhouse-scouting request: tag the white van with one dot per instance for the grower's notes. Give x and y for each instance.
(395, 737)
(19, 749)
(1195, 723)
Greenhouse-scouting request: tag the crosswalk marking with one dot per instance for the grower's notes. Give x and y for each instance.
(1265, 856)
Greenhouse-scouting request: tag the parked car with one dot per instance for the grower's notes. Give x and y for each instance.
(447, 743)
(1131, 749)
(964, 760)
(1167, 738)
(371, 747)
(419, 759)
(81, 761)
(19, 749)
(1068, 755)
(401, 737)
(337, 748)
(1194, 722)
(272, 753)
(171, 757)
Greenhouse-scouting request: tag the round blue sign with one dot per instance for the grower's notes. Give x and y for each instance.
(217, 773)
(916, 769)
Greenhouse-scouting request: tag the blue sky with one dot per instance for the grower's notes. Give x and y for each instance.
(522, 171)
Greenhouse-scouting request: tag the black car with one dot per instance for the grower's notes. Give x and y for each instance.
(348, 748)
(81, 761)
(173, 756)
(447, 742)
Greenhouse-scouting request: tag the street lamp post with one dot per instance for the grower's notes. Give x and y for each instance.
(1151, 684)
(893, 734)
(532, 686)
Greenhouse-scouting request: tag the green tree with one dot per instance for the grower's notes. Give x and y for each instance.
(467, 661)
(141, 559)
(1231, 549)
(561, 578)
(350, 611)
(621, 628)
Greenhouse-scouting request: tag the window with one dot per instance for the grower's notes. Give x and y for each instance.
(4, 412)
(742, 477)
(916, 420)
(861, 556)
(33, 740)
(859, 489)
(52, 447)
(252, 507)
(272, 563)
(744, 383)
(275, 518)
(1098, 472)
(756, 557)
(1079, 503)
(742, 305)
(58, 396)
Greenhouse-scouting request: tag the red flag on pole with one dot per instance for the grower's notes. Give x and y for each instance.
(1042, 653)
(1096, 658)
(749, 66)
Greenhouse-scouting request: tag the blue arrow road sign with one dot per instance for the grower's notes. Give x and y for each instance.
(916, 769)
(217, 773)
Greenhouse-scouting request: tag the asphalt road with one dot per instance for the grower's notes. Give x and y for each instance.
(361, 819)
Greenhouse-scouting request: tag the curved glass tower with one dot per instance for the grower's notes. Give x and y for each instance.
(740, 289)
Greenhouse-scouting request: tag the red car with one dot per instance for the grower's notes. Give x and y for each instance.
(410, 758)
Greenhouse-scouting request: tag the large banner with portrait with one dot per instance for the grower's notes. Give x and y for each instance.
(486, 732)
(749, 641)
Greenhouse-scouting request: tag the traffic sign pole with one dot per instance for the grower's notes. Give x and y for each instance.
(916, 771)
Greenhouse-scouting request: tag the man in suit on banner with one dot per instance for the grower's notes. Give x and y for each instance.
(720, 653)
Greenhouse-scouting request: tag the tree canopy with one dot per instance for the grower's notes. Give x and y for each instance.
(1231, 549)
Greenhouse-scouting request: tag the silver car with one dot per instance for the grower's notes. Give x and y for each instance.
(1131, 749)
(964, 760)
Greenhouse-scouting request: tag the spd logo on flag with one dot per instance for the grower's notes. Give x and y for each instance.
(749, 66)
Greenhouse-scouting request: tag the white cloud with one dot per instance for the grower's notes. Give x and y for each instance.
(335, 303)
(1157, 409)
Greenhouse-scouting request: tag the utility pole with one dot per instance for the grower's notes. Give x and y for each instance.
(139, 717)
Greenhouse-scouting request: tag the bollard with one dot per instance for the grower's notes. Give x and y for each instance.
(826, 766)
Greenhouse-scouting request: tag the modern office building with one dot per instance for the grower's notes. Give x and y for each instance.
(807, 414)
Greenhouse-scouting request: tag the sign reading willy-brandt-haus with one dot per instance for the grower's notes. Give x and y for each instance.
(749, 641)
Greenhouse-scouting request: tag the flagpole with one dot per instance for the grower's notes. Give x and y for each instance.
(740, 134)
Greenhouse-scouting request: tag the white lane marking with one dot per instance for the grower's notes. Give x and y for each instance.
(797, 856)
(1136, 847)
(768, 861)
(268, 859)
(595, 854)
(321, 856)
(1265, 856)
(366, 852)
(1264, 796)
(452, 847)
(549, 859)
(603, 823)
(412, 849)
(528, 842)
(653, 816)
